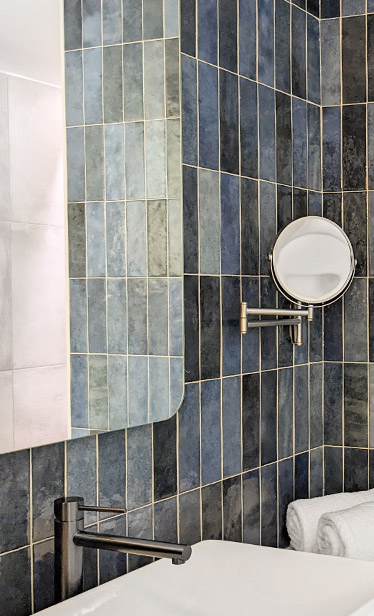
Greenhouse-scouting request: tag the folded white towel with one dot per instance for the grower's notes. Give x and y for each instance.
(303, 516)
(348, 533)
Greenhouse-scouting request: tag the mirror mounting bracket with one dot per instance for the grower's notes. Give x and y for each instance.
(293, 320)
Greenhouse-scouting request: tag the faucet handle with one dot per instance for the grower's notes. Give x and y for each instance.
(102, 509)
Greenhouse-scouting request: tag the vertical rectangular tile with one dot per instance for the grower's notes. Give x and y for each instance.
(165, 458)
(207, 34)
(15, 473)
(370, 146)
(230, 231)
(210, 431)
(313, 55)
(155, 154)
(93, 76)
(134, 160)
(153, 19)
(112, 22)
(191, 327)
(188, 31)
(98, 392)
(47, 485)
(331, 148)
(333, 466)
(157, 237)
(116, 239)
(371, 320)
(91, 23)
(354, 147)
(189, 108)
(353, 59)
(298, 53)
(247, 38)
(249, 227)
(137, 316)
(74, 88)
(189, 439)
(355, 469)
(210, 222)
(211, 498)
(355, 321)
(268, 223)
(140, 524)
(248, 128)
(315, 402)
(285, 497)
(267, 133)
(112, 564)
(133, 82)
(43, 578)
(283, 139)
(265, 10)
(189, 517)
(231, 336)
(138, 390)
(112, 469)
(250, 342)
(210, 329)
(330, 8)
(112, 84)
(330, 62)
(73, 24)
(172, 78)
(79, 391)
(97, 330)
(136, 236)
(117, 392)
(173, 158)
(176, 320)
(75, 164)
(370, 55)
(190, 220)
(268, 334)
(301, 409)
(355, 405)
(171, 18)
(299, 130)
(251, 508)
(208, 116)
(228, 35)
(285, 413)
(333, 401)
(355, 225)
(117, 316)
(314, 147)
(229, 122)
(165, 516)
(139, 466)
(333, 332)
(231, 425)
(282, 45)
(251, 420)
(316, 472)
(158, 317)
(81, 471)
(96, 264)
(154, 83)
(232, 509)
(268, 416)
(94, 146)
(114, 157)
(132, 20)
(302, 475)
(269, 505)
(15, 586)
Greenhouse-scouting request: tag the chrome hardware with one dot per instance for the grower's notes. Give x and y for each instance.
(294, 322)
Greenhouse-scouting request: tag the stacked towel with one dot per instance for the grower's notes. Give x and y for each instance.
(349, 532)
(303, 516)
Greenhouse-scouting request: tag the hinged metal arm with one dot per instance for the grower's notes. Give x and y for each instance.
(295, 320)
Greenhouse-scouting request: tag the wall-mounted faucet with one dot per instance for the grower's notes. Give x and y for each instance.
(71, 538)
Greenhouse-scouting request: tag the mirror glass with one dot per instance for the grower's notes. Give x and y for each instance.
(312, 261)
(91, 248)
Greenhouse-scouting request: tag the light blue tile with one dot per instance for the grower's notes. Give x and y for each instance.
(176, 383)
(132, 20)
(175, 256)
(94, 163)
(138, 390)
(174, 167)
(98, 392)
(134, 160)
(112, 83)
(210, 222)
(133, 81)
(93, 74)
(81, 471)
(95, 216)
(117, 316)
(79, 433)
(155, 160)
(158, 317)
(112, 22)
(97, 316)
(114, 167)
(91, 23)
(158, 388)
(79, 391)
(75, 160)
(176, 316)
(139, 466)
(117, 392)
(154, 82)
(115, 239)
(157, 238)
(78, 316)
(153, 19)
(74, 88)
(137, 316)
(136, 218)
(171, 18)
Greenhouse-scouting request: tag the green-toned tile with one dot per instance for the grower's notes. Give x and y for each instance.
(154, 84)
(133, 81)
(136, 238)
(175, 256)
(77, 240)
(155, 160)
(112, 84)
(93, 75)
(172, 78)
(137, 316)
(117, 309)
(157, 238)
(158, 334)
(174, 166)
(94, 163)
(210, 222)
(153, 19)
(134, 160)
(74, 88)
(112, 22)
(98, 392)
(116, 238)
(96, 263)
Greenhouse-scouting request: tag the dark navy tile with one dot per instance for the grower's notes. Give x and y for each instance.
(208, 116)
(268, 417)
(267, 133)
(251, 341)
(371, 469)
(299, 53)
(333, 332)
(249, 228)
(247, 38)
(112, 469)
(166, 521)
(73, 24)
(354, 147)
(370, 6)
(302, 475)
(229, 122)
(300, 203)
(232, 509)
(265, 10)
(353, 59)
(189, 110)
(211, 431)
(189, 517)
(251, 508)
(269, 505)
(333, 400)
(139, 466)
(332, 148)
(284, 138)
(355, 321)
(285, 497)
(43, 579)
(301, 409)
(207, 15)
(228, 35)
(330, 8)
(285, 413)
(313, 7)
(282, 45)
(284, 207)
(315, 401)
(331, 61)
(165, 458)
(333, 458)
(188, 31)
(315, 204)
(316, 337)
(112, 564)
(15, 583)
(210, 327)
(231, 337)
(370, 112)
(230, 226)
(211, 497)
(15, 500)
(314, 85)
(231, 425)
(353, 7)
(371, 320)
(189, 439)
(190, 221)
(268, 334)
(316, 473)
(356, 405)
(268, 209)
(140, 524)
(47, 485)
(251, 420)
(355, 469)
(191, 328)
(248, 128)
(370, 54)
(314, 147)
(299, 129)
(355, 226)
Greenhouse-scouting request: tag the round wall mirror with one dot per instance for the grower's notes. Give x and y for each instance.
(312, 261)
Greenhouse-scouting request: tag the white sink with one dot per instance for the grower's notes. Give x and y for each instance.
(234, 579)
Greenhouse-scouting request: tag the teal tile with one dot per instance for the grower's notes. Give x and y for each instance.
(94, 163)
(134, 160)
(79, 391)
(158, 316)
(210, 222)
(112, 22)
(176, 383)
(98, 392)
(91, 23)
(138, 390)
(136, 238)
(93, 86)
(153, 15)
(174, 166)
(97, 316)
(154, 84)
(175, 232)
(172, 78)
(77, 240)
(133, 81)
(96, 265)
(114, 167)
(157, 238)
(176, 316)
(117, 391)
(112, 84)
(78, 316)
(117, 316)
(116, 239)
(171, 18)
(158, 388)
(74, 88)
(75, 162)
(137, 316)
(132, 20)
(155, 160)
